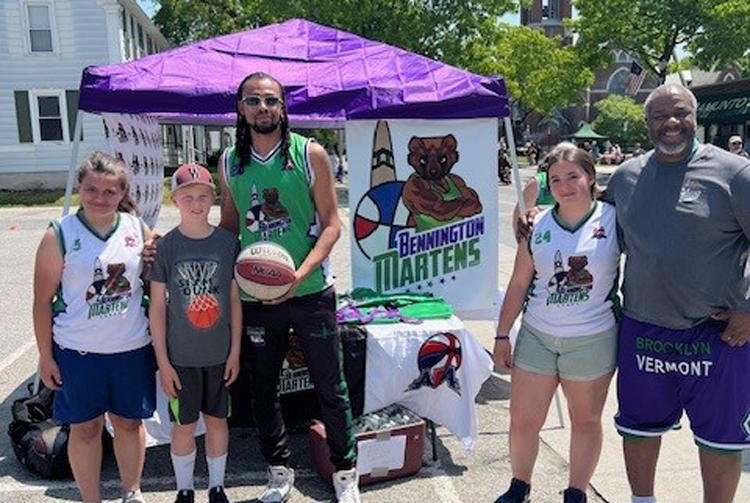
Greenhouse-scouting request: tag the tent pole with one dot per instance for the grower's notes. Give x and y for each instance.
(72, 165)
(514, 162)
(66, 205)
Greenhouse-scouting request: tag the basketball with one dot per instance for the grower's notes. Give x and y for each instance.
(264, 270)
(203, 311)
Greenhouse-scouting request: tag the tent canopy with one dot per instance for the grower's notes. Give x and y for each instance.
(586, 132)
(329, 76)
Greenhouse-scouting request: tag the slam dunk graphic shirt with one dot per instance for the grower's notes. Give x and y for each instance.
(198, 274)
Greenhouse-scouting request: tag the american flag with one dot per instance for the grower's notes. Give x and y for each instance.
(635, 79)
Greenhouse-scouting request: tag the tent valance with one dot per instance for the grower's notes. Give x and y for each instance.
(329, 75)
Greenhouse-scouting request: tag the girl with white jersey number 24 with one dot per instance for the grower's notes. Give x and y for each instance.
(566, 278)
(91, 327)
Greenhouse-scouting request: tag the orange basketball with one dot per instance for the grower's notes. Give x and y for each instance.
(203, 311)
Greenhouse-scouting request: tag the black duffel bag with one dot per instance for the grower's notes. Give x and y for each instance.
(40, 442)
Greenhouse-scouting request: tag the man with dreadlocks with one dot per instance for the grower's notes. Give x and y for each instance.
(291, 174)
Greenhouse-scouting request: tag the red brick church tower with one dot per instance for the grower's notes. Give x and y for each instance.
(549, 15)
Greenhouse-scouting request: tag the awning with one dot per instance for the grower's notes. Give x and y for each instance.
(724, 109)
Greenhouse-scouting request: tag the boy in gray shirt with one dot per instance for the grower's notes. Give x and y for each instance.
(196, 324)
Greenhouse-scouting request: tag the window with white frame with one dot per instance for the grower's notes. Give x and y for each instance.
(125, 34)
(49, 116)
(40, 27)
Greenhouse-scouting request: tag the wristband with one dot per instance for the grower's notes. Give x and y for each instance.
(502, 338)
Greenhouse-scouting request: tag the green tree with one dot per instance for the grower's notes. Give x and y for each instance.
(539, 72)
(441, 29)
(715, 32)
(621, 119)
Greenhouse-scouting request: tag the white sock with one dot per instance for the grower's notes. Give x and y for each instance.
(643, 499)
(216, 469)
(183, 470)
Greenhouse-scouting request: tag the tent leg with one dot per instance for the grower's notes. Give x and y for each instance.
(72, 165)
(66, 205)
(511, 141)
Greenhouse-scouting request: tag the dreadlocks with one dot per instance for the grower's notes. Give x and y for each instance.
(244, 140)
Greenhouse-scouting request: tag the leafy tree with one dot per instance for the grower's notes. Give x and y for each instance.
(539, 73)
(621, 119)
(715, 32)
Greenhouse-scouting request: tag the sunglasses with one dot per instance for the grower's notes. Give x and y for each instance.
(255, 101)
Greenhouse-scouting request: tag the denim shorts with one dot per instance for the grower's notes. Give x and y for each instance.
(583, 358)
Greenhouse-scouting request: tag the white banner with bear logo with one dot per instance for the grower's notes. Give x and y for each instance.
(136, 139)
(424, 209)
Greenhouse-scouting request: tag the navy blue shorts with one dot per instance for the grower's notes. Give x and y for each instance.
(120, 383)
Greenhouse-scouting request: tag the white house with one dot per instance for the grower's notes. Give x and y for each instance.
(44, 47)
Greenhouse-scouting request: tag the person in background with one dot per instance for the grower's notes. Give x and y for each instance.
(91, 327)
(736, 146)
(536, 192)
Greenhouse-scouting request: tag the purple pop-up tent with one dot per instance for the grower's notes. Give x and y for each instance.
(330, 76)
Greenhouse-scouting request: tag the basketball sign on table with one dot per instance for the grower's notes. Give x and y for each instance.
(264, 270)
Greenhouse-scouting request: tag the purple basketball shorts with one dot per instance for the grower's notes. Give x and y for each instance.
(663, 372)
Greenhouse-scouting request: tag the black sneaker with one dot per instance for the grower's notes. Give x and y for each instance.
(573, 495)
(518, 492)
(216, 495)
(185, 496)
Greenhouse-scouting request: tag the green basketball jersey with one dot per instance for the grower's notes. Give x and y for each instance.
(427, 222)
(275, 203)
(545, 196)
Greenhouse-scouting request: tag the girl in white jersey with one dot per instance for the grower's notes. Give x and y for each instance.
(565, 275)
(91, 328)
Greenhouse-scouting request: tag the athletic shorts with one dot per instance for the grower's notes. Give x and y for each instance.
(663, 372)
(120, 383)
(203, 390)
(582, 358)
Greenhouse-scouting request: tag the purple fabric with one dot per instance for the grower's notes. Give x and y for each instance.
(329, 75)
(662, 372)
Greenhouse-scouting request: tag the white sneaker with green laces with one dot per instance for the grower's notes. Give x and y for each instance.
(279, 487)
(346, 485)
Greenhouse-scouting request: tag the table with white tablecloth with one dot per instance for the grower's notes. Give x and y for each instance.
(435, 368)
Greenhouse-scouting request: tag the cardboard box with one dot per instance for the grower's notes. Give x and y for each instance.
(381, 455)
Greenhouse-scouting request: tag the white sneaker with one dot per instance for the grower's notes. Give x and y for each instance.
(279, 487)
(133, 497)
(346, 485)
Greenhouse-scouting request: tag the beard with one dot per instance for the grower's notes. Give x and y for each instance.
(670, 149)
(265, 128)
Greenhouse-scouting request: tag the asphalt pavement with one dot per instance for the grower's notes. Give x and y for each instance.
(456, 477)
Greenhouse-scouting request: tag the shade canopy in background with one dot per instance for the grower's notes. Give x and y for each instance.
(586, 132)
(329, 75)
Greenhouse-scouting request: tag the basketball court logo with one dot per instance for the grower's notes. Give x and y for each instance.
(438, 361)
(197, 283)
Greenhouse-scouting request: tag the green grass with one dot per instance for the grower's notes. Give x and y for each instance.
(54, 197)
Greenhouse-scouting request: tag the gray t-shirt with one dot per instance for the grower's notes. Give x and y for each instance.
(685, 232)
(198, 274)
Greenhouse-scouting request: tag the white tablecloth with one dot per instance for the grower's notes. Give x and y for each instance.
(441, 384)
